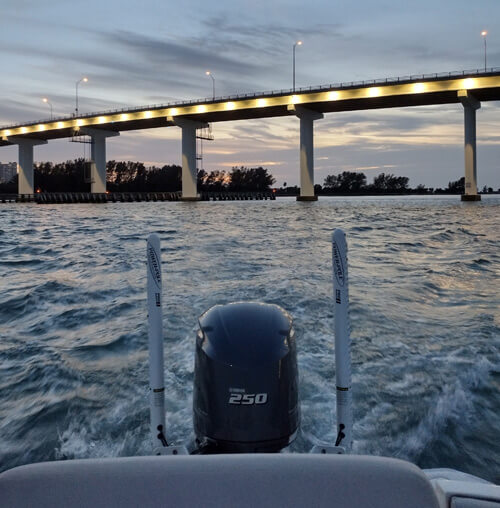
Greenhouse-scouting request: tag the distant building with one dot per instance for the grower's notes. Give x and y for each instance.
(7, 171)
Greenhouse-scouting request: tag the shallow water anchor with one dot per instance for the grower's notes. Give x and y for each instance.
(342, 340)
(155, 335)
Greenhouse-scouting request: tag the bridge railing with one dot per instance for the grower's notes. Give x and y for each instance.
(271, 93)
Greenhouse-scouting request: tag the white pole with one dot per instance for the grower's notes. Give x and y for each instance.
(342, 340)
(155, 334)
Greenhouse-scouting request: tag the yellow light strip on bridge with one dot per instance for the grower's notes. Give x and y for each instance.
(419, 87)
(364, 92)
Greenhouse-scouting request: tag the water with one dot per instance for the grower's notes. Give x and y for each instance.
(424, 310)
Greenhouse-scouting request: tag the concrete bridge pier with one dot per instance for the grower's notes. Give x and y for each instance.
(189, 170)
(470, 104)
(25, 184)
(306, 117)
(98, 158)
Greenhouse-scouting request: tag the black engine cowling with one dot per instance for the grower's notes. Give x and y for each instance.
(245, 385)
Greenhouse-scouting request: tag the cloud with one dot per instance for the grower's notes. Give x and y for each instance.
(263, 37)
(183, 53)
(250, 163)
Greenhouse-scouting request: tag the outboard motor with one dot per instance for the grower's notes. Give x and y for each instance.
(245, 381)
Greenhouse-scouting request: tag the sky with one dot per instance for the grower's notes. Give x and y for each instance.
(157, 51)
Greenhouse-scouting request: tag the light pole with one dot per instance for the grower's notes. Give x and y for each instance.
(77, 83)
(50, 104)
(484, 33)
(298, 43)
(208, 73)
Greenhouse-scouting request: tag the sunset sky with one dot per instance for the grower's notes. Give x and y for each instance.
(157, 51)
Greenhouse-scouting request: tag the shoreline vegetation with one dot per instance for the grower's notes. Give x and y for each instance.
(130, 176)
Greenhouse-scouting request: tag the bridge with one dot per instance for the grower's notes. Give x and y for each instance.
(468, 88)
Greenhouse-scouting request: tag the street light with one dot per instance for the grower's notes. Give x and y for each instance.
(50, 104)
(77, 83)
(484, 33)
(208, 73)
(298, 43)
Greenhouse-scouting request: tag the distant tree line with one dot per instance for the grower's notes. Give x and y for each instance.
(131, 176)
(128, 176)
(355, 183)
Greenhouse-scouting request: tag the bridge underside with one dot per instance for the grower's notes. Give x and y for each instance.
(428, 99)
(330, 106)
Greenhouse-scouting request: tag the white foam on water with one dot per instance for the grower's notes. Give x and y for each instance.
(424, 315)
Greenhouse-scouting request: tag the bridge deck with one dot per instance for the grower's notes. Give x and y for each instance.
(389, 93)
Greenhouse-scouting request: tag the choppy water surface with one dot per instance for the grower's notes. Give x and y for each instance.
(424, 310)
